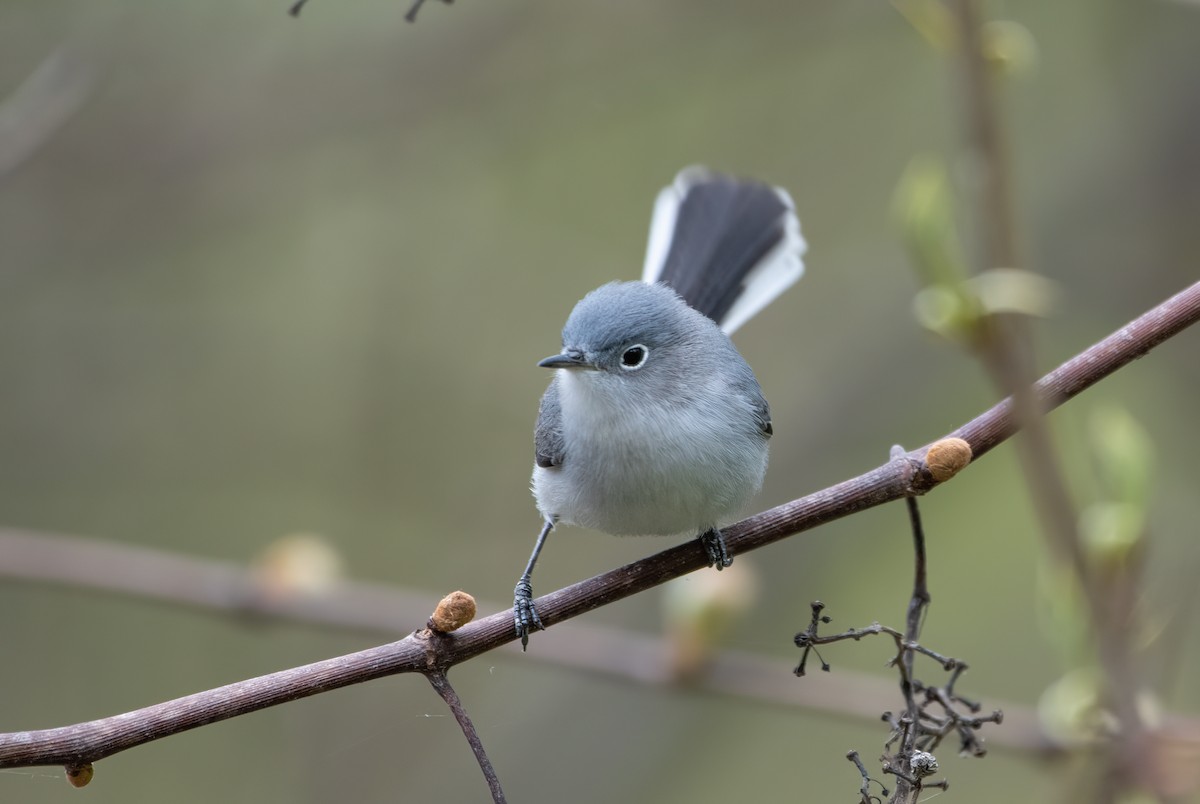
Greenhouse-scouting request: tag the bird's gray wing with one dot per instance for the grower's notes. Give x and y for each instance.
(549, 447)
(762, 415)
(744, 386)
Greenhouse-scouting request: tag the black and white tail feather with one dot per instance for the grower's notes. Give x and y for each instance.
(727, 246)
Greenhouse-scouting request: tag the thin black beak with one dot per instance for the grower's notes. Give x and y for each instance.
(569, 359)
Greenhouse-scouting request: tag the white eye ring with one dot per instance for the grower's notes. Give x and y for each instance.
(634, 357)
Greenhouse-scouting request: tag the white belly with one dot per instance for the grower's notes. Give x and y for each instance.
(678, 469)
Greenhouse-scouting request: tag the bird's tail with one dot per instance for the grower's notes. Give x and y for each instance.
(728, 246)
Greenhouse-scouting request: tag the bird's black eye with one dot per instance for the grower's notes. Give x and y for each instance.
(634, 356)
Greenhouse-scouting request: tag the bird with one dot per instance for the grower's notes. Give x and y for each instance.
(654, 424)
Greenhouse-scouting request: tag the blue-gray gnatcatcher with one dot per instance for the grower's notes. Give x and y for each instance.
(653, 423)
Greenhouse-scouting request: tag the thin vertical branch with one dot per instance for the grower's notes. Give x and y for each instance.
(1006, 351)
(917, 606)
(985, 143)
(920, 597)
(1005, 346)
(442, 684)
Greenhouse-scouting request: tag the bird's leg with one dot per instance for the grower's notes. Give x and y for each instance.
(524, 615)
(714, 545)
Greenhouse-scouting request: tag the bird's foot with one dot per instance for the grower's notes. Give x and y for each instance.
(714, 546)
(525, 616)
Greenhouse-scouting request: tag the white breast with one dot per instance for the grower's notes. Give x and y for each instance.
(679, 468)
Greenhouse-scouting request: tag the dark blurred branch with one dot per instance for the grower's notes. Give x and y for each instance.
(1005, 348)
(1004, 343)
(986, 147)
(203, 584)
(86, 742)
(410, 16)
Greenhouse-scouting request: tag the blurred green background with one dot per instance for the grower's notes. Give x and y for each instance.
(276, 275)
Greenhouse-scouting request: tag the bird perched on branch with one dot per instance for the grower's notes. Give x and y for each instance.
(654, 424)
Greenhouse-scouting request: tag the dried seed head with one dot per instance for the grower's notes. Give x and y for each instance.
(922, 764)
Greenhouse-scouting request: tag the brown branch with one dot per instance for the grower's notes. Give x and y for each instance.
(1098, 361)
(237, 591)
(82, 743)
(442, 684)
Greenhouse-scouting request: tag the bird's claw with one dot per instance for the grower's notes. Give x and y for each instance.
(714, 546)
(525, 616)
